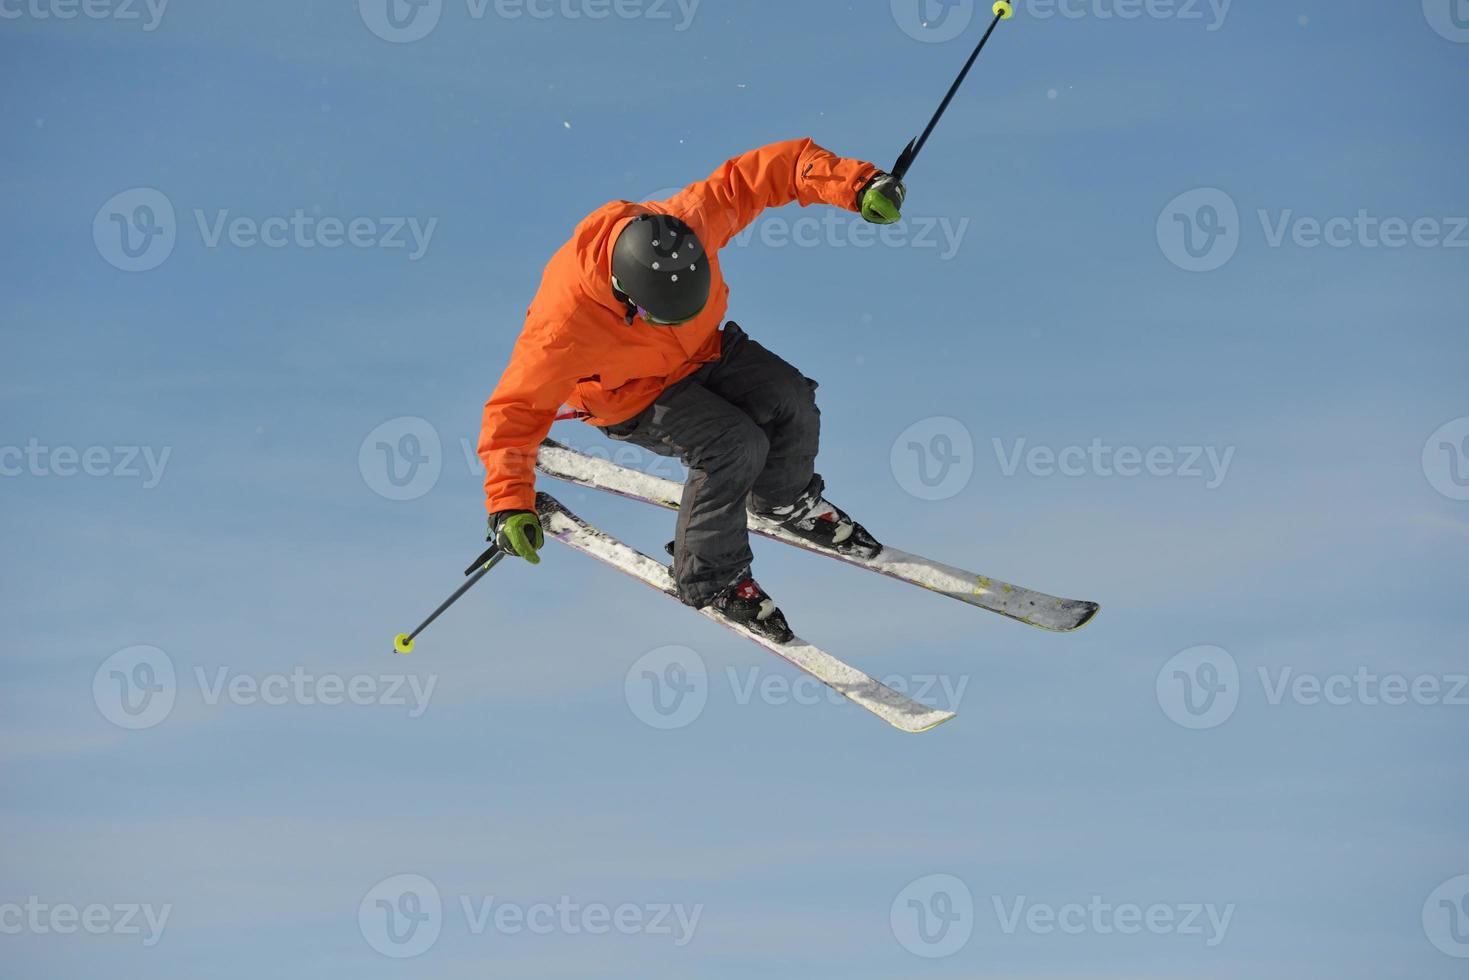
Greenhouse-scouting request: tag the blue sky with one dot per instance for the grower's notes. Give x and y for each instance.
(239, 525)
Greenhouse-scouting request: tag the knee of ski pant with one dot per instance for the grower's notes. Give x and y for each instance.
(738, 452)
(796, 395)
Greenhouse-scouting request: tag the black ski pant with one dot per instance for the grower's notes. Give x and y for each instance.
(747, 427)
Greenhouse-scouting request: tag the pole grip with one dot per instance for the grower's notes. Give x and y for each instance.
(480, 561)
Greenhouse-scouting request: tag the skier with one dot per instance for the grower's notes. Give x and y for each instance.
(626, 329)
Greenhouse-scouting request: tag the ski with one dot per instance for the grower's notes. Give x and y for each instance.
(896, 709)
(1033, 608)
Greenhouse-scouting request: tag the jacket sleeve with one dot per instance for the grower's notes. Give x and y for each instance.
(770, 177)
(541, 376)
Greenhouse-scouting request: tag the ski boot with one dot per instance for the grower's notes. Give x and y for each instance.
(818, 520)
(745, 603)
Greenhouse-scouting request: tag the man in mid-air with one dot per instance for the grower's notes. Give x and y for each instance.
(626, 329)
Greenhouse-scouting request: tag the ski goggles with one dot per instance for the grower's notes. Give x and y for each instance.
(665, 323)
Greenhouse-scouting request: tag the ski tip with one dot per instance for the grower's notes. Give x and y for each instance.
(928, 722)
(403, 643)
(1065, 616)
(1087, 613)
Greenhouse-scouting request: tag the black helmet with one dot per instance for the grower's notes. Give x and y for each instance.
(660, 265)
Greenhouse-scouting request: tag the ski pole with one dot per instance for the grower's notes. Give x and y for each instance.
(1003, 11)
(403, 642)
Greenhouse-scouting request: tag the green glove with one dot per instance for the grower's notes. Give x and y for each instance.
(518, 532)
(882, 199)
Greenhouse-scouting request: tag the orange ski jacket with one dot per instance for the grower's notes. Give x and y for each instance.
(576, 346)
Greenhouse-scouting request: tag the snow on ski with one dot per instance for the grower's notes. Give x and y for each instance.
(896, 709)
(1037, 609)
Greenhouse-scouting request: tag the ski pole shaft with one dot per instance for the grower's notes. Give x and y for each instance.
(1003, 11)
(403, 642)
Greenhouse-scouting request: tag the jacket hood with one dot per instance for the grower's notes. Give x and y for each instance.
(594, 240)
